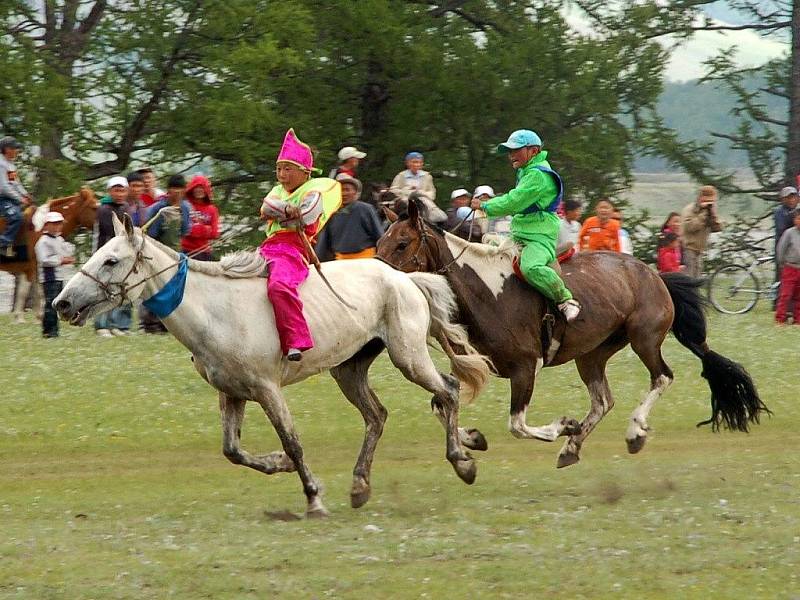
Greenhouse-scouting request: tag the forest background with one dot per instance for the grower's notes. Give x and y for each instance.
(99, 87)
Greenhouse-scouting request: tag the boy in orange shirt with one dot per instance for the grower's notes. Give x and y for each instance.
(600, 232)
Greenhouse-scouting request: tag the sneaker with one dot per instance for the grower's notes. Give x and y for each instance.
(294, 355)
(104, 333)
(8, 251)
(119, 332)
(571, 309)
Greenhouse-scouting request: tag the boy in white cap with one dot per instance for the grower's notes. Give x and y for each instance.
(52, 252)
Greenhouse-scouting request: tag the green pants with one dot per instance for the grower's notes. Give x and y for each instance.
(534, 259)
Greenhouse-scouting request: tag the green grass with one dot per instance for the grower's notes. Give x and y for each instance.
(113, 485)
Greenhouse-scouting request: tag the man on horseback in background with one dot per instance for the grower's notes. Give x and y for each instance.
(535, 225)
(13, 195)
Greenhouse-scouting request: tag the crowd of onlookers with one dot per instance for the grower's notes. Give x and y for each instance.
(354, 230)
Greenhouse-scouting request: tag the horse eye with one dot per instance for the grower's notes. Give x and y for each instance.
(110, 262)
(402, 245)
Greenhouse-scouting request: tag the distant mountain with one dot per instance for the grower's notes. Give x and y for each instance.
(695, 109)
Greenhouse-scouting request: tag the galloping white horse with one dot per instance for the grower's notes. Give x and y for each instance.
(226, 321)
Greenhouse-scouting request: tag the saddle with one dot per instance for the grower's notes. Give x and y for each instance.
(21, 241)
(563, 255)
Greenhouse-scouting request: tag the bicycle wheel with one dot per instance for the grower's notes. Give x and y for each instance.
(733, 289)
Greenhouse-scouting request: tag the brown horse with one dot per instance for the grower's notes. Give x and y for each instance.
(79, 211)
(623, 302)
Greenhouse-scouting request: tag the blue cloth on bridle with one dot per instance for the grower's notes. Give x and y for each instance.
(167, 299)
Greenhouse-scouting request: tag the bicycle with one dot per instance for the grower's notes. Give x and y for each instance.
(735, 289)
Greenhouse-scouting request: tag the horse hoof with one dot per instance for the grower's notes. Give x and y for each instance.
(476, 441)
(567, 460)
(467, 470)
(571, 427)
(636, 444)
(317, 513)
(359, 494)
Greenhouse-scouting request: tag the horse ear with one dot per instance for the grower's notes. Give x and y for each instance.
(128, 223)
(413, 212)
(119, 228)
(391, 216)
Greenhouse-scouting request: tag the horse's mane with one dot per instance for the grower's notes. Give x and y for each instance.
(506, 249)
(239, 265)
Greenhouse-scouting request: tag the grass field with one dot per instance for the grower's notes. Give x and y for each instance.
(113, 485)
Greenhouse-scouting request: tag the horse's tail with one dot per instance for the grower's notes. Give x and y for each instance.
(469, 366)
(735, 402)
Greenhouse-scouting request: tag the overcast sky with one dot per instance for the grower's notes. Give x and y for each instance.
(754, 49)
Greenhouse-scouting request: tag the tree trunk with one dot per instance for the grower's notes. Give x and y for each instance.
(792, 166)
(374, 104)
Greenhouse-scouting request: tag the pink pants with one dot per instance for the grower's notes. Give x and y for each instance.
(287, 270)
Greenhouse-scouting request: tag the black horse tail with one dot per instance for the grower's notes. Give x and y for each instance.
(735, 402)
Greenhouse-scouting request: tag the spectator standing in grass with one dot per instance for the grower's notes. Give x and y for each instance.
(570, 227)
(136, 206)
(168, 229)
(787, 256)
(354, 230)
(600, 232)
(118, 320)
(52, 253)
(205, 219)
(669, 254)
(698, 221)
(349, 159)
(151, 191)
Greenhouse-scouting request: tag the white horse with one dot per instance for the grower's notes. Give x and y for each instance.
(228, 324)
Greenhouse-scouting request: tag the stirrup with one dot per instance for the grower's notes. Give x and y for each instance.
(294, 355)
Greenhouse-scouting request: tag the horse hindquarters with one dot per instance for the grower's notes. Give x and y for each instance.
(735, 402)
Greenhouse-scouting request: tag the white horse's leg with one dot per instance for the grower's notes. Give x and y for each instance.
(274, 405)
(352, 378)
(21, 297)
(638, 428)
(232, 413)
(592, 369)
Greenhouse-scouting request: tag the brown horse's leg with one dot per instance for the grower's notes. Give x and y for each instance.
(351, 376)
(648, 349)
(232, 413)
(522, 384)
(592, 369)
(22, 289)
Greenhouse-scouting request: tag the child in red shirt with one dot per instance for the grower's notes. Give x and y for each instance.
(204, 217)
(669, 254)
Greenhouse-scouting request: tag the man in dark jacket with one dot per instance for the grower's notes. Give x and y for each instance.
(354, 230)
(118, 320)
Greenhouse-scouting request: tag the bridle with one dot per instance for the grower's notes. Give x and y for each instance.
(426, 245)
(120, 294)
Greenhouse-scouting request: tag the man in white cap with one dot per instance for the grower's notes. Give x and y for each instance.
(533, 204)
(52, 252)
(783, 213)
(118, 320)
(349, 158)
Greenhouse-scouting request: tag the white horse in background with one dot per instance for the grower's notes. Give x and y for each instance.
(227, 322)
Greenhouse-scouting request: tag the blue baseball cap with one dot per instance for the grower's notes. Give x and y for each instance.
(519, 139)
(411, 155)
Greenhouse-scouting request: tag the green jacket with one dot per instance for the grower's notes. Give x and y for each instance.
(534, 188)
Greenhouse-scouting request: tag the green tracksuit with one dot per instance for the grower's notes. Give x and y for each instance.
(533, 203)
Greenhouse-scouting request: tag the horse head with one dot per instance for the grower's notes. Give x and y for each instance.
(87, 208)
(412, 244)
(110, 278)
